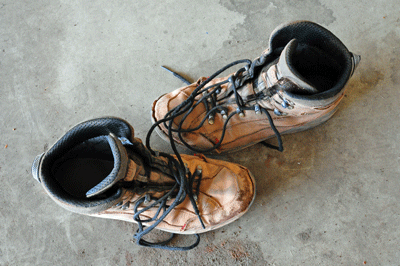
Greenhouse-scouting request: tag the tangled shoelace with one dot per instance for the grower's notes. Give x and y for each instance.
(184, 179)
(209, 97)
(184, 184)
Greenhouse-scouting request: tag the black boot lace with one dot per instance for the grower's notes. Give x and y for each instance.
(214, 106)
(183, 188)
(184, 179)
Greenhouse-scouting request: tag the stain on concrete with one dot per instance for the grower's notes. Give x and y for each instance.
(223, 252)
(370, 78)
(249, 38)
(117, 257)
(305, 236)
(258, 14)
(330, 255)
(129, 258)
(365, 81)
(82, 252)
(356, 189)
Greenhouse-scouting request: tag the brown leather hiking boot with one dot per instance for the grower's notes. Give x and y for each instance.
(99, 168)
(294, 85)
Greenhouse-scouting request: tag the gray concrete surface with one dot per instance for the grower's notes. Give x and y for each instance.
(331, 198)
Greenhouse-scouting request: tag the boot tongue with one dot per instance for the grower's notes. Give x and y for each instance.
(119, 170)
(287, 70)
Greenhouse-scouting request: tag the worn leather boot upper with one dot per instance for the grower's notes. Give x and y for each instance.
(298, 83)
(99, 168)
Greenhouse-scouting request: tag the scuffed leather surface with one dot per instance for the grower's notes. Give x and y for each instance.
(306, 110)
(226, 192)
(240, 131)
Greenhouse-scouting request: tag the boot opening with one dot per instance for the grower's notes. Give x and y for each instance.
(317, 67)
(84, 167)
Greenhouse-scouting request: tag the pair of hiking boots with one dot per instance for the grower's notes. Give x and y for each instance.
(99, 168)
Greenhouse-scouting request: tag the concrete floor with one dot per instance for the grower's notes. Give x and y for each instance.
(331, 198)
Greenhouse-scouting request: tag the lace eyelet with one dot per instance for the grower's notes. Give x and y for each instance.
(239, 112)
(211, 119)
(199, 169)
(125, 206)
(224, 115)
(277, 112)
(146, 198)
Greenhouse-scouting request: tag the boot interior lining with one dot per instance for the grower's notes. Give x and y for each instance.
(77, 176)
(84, 167)
(317, 67)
